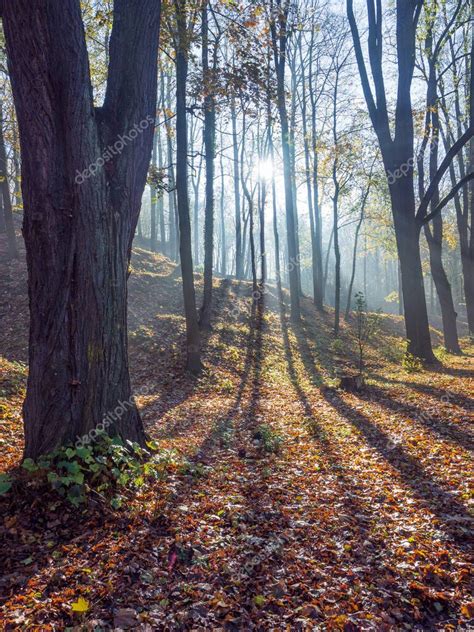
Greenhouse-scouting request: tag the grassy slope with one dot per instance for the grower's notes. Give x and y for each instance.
(360, 520)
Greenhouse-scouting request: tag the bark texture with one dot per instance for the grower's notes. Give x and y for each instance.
(81, 209)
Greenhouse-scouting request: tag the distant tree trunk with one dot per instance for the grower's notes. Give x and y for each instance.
(153, 198)
(16, 165)
(279, 41)
(337, 255)
(209, 148)
(245, 257)
(196, 181)
(239, 268)
(222, 208)
(193, 343)
(276, 237)
(292, 142)
(161, 206)
(261, 207)
(335, 206)
(318, 230)
(326, 264)
(435, 237)
(443, 287)
(317, 298)
(354, 255)
(250, 201)
(80, 216)
(173, 232)
(5, 193)
(196, 218)
(469, 279)
(252, 250)
(262, 202)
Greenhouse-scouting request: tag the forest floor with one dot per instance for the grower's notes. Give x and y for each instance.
(357, 517)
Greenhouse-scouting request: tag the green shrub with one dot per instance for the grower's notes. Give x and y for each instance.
(338, 346)
(5, 484)
(367, 326)
(106, 468)
(411, 363)
(268, 439)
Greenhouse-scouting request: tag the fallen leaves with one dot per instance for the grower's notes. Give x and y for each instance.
(358, 521)
(80, 606)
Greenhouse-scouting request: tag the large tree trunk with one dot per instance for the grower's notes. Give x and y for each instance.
(3, 227)
(469, 263)
(193, 343)
(397, 152)
(80, 215)
(463, 201)
(407, 232)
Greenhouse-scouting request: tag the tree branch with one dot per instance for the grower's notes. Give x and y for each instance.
(448, 198)
(377, 110)
(458, 145)
(133, 50)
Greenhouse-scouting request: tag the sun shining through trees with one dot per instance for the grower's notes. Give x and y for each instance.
(264, 170)
(237, 315)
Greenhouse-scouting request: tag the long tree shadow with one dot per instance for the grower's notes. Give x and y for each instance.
(175, 386)
(206, 453)
(459, 399)
(350, 489)
(263, 519)
(423, 416)
(226, 422)
(435, 498)
(453, 371)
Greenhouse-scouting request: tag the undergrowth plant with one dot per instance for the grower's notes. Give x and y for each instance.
(367, 325)
(411, 363)
(269, 440)
(105, 469)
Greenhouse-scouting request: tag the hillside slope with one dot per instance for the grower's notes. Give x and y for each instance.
(289, 503)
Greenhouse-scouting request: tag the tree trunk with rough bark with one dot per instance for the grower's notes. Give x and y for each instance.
(81, 209)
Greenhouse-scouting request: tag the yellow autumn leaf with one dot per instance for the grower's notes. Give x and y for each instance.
(81, 605)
